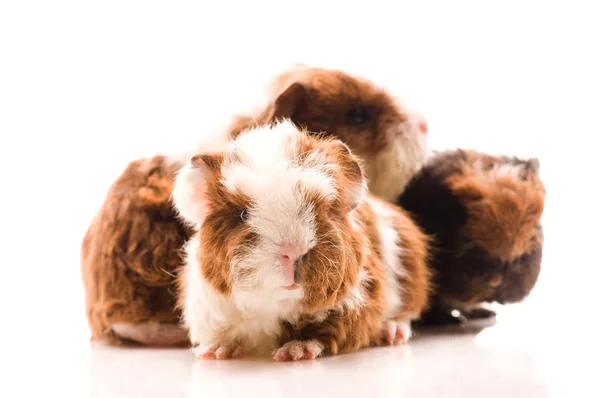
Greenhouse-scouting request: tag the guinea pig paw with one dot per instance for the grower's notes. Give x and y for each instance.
(396, 332)
(216, 351)
(297, 350)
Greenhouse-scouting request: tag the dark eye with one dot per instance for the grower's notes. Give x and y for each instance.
(243, 215)
(357, 115)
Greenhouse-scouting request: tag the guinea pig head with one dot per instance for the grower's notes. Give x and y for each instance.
(272, 213)
(374, 124)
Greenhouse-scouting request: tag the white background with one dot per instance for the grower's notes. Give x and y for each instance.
(87, 86)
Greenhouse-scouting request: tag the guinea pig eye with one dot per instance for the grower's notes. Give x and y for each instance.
(357, 115)
(243, 215)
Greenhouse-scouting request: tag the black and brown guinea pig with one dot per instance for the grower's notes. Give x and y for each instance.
(131, 249)
(485, 214)
(291, 257)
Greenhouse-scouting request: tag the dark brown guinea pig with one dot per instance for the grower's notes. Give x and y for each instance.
(485, 213)
(131, 249)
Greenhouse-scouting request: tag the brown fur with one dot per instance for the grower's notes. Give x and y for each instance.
(319, 100)
(132, 250)
(350, 331)
(330, 271)
(502, 211)
(354, 109)
(344, 332)
(135, 230)
(485, 215)
(415, 257)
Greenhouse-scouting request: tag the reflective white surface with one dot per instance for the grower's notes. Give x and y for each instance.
(85, 87)
(525, 353)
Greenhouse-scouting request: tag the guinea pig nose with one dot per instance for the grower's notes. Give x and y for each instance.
(423, 125)
(291, 255)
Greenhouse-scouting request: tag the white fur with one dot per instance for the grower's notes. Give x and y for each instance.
(268, 174)
(151, 333)
(510, 170)
(267, 171)
(499, 169)
(263, 165)
(397, 331)
(389, 170)
(188, 192)
(214, 319)
(391, 249)
(271, 163)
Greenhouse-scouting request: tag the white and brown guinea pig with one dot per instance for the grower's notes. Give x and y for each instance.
(131, 248)
(291, 257)
(485, 213)
(389, 137)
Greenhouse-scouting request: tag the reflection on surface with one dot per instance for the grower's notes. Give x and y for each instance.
(437, 363)
(484, 358)
(450, 362)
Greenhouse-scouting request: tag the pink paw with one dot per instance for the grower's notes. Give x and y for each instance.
(216, 351)
(395, 332)
(296, 350)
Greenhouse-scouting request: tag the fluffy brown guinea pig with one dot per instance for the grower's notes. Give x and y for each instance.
(128, 258)
(130, 251)
(291, 256)
(485, 213)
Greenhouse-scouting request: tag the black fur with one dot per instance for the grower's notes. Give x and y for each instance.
(463, 272)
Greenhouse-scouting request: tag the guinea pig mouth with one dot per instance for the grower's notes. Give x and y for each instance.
(293, 286)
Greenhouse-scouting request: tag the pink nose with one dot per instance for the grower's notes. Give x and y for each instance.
(289, 256)
(424, 127)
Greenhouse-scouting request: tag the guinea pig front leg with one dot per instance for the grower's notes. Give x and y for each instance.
(217, 351)
(212, 340)
(210, 337)
(336, 334)
(394, 332)
(210, 344)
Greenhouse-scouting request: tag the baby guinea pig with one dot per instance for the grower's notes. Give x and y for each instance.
(485, 213)
(130, 250)
(291, 256)
(390, 138)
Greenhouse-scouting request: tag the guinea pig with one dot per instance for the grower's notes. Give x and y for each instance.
(130, 251)
(485, 214)
(291, 256)
(129, 256)
(390, 138)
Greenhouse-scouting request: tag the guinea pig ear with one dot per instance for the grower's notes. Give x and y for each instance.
(351, 181)
(191, 184)
(289, 101)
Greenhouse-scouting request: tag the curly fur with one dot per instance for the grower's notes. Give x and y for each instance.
(485, 213)
(131, 252)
